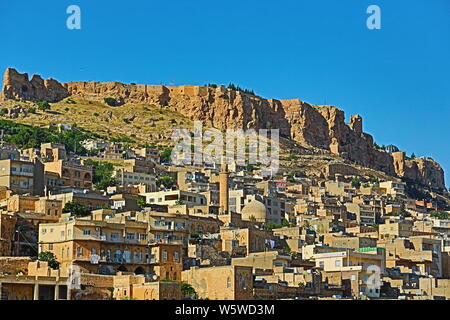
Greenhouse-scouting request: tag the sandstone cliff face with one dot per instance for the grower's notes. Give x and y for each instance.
(17, 86)
(424, 171)
(318, 126)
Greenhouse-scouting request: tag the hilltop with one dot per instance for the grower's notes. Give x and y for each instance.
(143, 114)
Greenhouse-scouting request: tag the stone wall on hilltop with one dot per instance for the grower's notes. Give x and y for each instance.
(318, 126)
(17, 86)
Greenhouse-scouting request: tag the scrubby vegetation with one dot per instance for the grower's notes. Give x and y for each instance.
(102, 174)
(26, 136)
(111, 102)
(43, 105)
(76, 208)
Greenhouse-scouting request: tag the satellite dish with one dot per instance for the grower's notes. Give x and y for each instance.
(95, 259)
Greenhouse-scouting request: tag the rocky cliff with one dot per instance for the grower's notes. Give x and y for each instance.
(318, 126)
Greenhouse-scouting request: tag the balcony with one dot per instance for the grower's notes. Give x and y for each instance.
(118, 259)
(165, 241)
(22, 173)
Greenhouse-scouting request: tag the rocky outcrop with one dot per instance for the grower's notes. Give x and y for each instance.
(17, 86)
(424, 171)
(318, 126)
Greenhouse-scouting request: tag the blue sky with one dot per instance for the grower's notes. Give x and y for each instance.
(397, 78)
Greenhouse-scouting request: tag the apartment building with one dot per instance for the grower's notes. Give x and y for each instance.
(166, 227)
(149, 154)
(131, 178)
(7, 227)
(221, 283)
(70, 173)
(42, 205)
(174, 197)
(22, 177)
(92, 200)
(393, 188)
(359, 268)
(395, 228)
(193, 181)
(97, 246)
(53, 151)
(252, 239)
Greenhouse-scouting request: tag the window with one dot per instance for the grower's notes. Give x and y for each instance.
(176, 256)
(50, 246)
(337, 263)
(164, 255)
(79, 251)
(114, 235)
(130, 236)
(321, 265)
(228, 282)
(86, 232)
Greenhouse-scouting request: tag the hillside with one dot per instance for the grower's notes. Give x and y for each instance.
(144, 114)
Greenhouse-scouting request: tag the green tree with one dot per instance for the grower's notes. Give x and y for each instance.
(102, 174)
(166, 181)
(291, 157)
(166, 154)
(141, 202)
(50, 258)
(195, 235)
(270, 226)
(356, 183)
(43, 105)
(284, 223)
(110, 101)
(291, 176)
(441, 215)
(188, 291)
(76, 209)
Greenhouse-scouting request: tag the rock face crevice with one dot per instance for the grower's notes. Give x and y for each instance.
(318, 126)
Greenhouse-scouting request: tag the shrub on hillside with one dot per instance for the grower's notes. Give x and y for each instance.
(110, 101)
(43, 105)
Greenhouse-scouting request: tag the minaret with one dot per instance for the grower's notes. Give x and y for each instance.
(223, 188)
